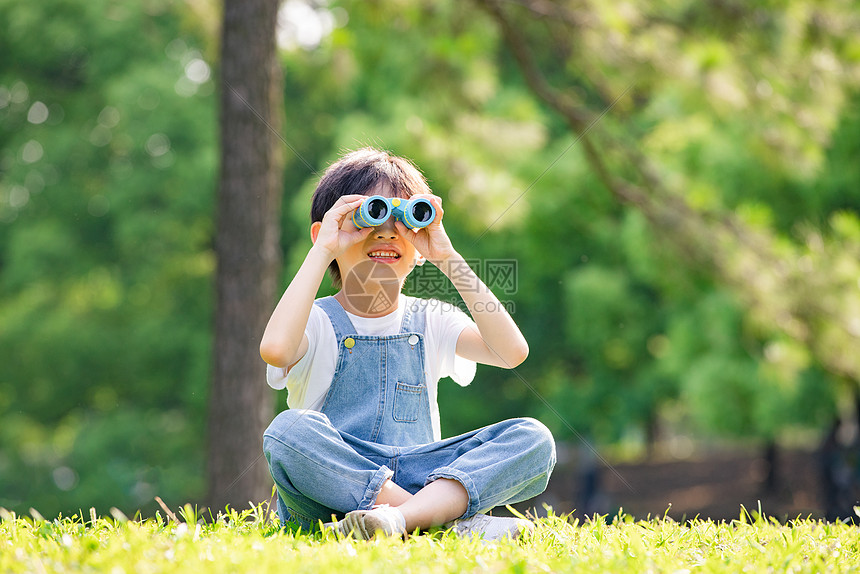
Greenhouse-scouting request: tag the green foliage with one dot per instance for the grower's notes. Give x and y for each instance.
(717, 104)
(106, 180)
(249, 543)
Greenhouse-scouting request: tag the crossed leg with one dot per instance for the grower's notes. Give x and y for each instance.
(439, 502)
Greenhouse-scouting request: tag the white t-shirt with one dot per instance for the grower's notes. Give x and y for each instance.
(308, 381)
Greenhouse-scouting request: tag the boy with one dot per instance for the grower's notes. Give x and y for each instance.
(361, 436)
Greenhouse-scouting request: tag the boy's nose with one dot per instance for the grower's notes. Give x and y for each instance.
(386, 230)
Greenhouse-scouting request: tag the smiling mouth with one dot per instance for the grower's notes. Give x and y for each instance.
(384, 256)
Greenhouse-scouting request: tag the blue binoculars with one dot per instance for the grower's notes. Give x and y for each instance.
(376, 209)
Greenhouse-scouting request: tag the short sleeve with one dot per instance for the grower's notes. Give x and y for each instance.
(446, 321)
(276, 377)
(295, 378)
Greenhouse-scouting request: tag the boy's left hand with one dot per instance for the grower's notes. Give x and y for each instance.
(432, 242)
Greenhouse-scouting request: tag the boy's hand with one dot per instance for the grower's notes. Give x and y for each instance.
(338, 232)
(432, 241)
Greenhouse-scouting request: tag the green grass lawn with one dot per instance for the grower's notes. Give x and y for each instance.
(250, 543)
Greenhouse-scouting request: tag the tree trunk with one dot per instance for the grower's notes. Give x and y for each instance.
(248, 257)
(771, 459)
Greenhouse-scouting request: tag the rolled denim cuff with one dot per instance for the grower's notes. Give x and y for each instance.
(372, 490)
(474, 505)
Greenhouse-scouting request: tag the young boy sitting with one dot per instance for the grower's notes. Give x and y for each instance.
(361, 439)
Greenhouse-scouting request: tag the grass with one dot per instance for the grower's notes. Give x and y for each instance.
(248, 542)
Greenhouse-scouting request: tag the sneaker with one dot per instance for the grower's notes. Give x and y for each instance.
(491, 527)
(365, 524)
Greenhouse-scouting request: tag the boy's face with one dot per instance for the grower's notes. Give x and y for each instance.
(384, 246)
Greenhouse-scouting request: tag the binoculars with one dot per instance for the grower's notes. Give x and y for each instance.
(376, 209)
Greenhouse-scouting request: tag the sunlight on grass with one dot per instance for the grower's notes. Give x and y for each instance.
(249, 541)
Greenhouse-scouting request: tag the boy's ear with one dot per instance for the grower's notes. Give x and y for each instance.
(315, 230)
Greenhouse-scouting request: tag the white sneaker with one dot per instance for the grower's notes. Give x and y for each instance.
(365, 524)
(491, 527)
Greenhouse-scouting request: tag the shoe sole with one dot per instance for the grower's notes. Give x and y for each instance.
(364, 526)
(515, 532)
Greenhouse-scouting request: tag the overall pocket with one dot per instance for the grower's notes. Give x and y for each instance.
(408, 400)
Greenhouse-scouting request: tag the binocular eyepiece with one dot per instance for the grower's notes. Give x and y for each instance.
(376, 209)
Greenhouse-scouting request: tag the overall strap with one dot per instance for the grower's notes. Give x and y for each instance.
(338, 317)
(414, 318)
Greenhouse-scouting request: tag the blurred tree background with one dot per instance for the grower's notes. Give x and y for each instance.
(676, 184)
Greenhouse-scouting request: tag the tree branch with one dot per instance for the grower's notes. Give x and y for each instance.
(715, 238)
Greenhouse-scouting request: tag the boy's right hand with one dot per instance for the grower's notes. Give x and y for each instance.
(337, 232)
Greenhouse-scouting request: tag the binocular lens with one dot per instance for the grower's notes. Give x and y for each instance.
(377, 209)
(422, 212)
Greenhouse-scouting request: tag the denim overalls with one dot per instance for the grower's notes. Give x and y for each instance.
(375, 425)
